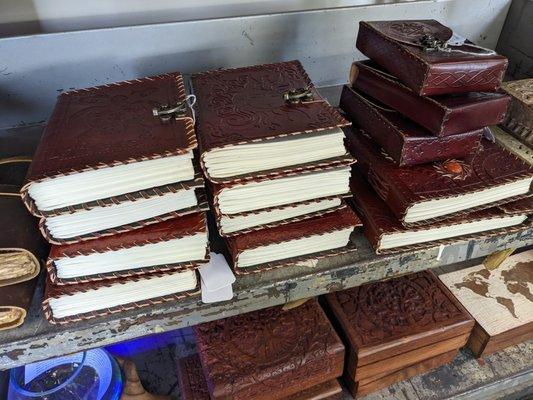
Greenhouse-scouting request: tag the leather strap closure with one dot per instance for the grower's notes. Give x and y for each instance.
(177, 111)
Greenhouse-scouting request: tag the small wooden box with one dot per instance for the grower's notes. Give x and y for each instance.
(396, 329)
(501, 302)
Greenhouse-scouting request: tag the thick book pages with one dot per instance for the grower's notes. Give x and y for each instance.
(500, 301)
(297, 241)
(386, 234)
(72, 303)
(429, 57)
(441, 115)
(283, 190)
(264, 120)
(106, 141)
(394, 324)
(401, 139)
(286, 351)
(423, 194)
(176, 244)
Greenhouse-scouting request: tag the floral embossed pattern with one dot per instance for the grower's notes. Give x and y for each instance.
(246, 104)
(257, 354)
(392, 309)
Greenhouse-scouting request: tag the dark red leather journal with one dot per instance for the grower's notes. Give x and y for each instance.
(401, 139)
(423, 56)
(269, 354)
(441, 115)
(489, 177)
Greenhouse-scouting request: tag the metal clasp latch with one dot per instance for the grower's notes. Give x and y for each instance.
(431, 43)
(300, 95)
(166, 112)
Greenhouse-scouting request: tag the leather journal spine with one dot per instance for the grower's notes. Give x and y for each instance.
(418, 146)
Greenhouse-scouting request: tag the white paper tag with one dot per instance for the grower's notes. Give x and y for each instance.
(449, 254)
(216, 274)
(456, 40)
(213, 296)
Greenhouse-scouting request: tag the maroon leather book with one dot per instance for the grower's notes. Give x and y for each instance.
(380, 224)
(341, 220)
(269, 354)
(401, 139)
(176, 228)
(109, 126)
(522, 206)
(423, 194)
(422, 55)
(441, 115)
(250, 105)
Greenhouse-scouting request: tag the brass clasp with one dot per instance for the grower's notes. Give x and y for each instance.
(299, 95)
(166, 112)
(431, 43)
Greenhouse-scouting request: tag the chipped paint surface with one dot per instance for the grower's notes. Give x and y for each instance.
(38, 340)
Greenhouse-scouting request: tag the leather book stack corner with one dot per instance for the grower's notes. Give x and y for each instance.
(273, 153)
(270, 354)
(519, 118)
(396, 329)
(500, 300)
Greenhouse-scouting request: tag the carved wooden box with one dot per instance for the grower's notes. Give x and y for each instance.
(501, 302)
(519, 118)
(397, 329)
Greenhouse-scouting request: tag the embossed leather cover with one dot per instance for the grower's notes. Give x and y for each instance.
(401, 187)
(331, 222)
(404, 141)
(54, 291)
(111, 125)
(441, 115)
(519, 118)
(383, 320)
(269, 354)
(244, 105)
(378, 220)
(522, 206)
(193, 386)
(158, 191)
(396, 46)
(163, 231)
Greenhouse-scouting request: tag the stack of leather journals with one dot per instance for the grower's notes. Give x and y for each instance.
(429, 170)
(273, 152)
(396, 329)
(119, 194)
(499, 299)
(271, 354)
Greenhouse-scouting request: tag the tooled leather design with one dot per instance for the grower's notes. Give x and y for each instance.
(191, 378)
(445, 147)
(246, 105)
(523, 206)
(488, 77)
(383, 311)
(412, 31)
(259, 354)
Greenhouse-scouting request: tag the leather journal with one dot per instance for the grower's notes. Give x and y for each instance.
(401, 139)
(522, 206)
(397, 328)
(298, 241)
(423, 194)
(429, 57)
(108, 143)
(500, 300)
(269, 354)
(22, 248)
(263, 121)
(193, 385)
(441, 115)
(174, 245)
(519, 118)
(73, 303)
(387, 235)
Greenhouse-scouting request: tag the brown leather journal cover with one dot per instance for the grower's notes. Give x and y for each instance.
(401, 187)
(331, 222)
(404, 141)
(519, 118)
(54, 291)
(161, 232)
(383, 321)
(522, 206)
(110, 125)
(441, 115)
(378, 220)
(413, 51)
(245, 105)
(269, 354)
